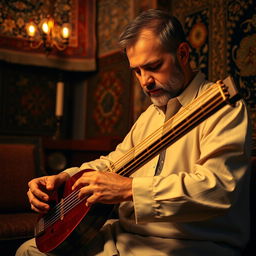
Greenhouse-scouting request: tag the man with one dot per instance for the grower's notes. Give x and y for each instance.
(193, 198)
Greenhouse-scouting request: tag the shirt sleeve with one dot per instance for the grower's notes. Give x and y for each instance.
(215, 181)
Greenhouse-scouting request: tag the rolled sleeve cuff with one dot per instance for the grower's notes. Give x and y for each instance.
(143, 199)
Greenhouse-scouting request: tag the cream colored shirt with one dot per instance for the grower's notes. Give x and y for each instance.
(199, 204)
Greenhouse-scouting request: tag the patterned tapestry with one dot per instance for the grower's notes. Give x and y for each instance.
(14, 42)
(112, 17)
(222, 36)
(109, 97)
(27, 99)
(241, 46)
(196, 29)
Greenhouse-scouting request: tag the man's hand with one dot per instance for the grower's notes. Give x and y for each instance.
(41, 188)
(104, 187)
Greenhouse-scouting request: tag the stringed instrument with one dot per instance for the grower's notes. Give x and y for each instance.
(71, 223)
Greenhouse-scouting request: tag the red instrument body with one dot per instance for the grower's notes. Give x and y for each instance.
(78, 226)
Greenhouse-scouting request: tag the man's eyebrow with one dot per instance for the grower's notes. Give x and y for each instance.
(147, 64)
(132, 68)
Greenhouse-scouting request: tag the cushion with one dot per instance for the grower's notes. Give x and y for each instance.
(17, 225)
(17, 168)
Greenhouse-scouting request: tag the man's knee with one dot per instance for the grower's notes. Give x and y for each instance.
(28, 249)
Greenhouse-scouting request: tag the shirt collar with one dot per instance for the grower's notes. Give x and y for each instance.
(192, 89)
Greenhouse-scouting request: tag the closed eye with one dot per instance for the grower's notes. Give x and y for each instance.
(154, 66)
(136, 70)
(148, 67)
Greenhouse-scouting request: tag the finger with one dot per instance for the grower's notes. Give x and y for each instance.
(81, 182)
(85, 179)
(36, 204)
(85, 192)
(39, 210)
(93, 199)
(36, 190)
(50, 182)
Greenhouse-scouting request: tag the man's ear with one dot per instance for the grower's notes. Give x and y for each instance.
(183, 53)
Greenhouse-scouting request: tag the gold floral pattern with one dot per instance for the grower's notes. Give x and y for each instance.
(8, 26)
(246, 56)
(198, 35)
(196, 29)
(112, 17)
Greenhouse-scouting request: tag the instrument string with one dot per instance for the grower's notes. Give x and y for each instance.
(63, 208)
(61, 214)
(56, 210)
(57, 206)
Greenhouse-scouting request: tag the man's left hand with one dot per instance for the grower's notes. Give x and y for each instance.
(104, 187)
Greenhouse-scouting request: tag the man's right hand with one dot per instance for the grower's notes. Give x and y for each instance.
(41, 188)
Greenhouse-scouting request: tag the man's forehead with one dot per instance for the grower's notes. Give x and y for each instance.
(145, 50)
(142, 60)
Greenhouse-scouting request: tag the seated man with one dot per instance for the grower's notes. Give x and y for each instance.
(193, 198)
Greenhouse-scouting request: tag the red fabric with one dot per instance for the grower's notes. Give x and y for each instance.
(17, 168)
(17, 226)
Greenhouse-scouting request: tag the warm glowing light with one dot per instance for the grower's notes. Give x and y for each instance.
(50, 23)
(48, 34)
(45, 27)
(31, 30)
(65, 32)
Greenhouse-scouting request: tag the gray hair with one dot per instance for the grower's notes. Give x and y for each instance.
(166, 27)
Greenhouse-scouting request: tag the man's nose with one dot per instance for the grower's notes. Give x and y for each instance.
(146, 79)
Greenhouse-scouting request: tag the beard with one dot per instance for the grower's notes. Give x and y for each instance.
(164, 92)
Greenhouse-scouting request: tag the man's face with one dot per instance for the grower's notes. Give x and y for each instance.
(158, 71)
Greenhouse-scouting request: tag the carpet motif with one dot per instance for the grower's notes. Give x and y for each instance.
(113, 16)
(109, 98)
(108, 107)
(28, 102)
(241, 45)
(196, 29)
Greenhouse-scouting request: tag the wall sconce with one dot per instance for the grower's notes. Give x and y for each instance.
(48, 34)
